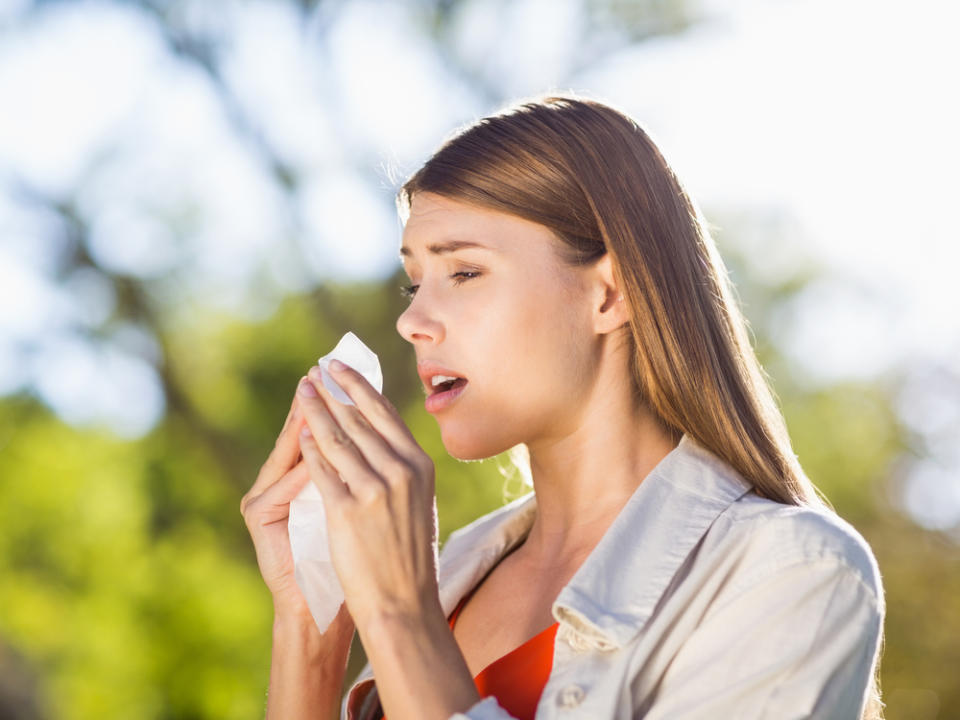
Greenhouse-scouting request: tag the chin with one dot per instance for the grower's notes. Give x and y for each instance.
(468, 442)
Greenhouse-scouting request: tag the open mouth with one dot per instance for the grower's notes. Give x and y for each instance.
(447, 385)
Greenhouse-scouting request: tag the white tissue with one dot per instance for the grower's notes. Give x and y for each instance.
(307, 524)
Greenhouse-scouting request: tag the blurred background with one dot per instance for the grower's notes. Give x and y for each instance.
(196, 202)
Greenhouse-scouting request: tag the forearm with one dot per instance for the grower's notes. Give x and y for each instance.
(420, 670)
(306, 668)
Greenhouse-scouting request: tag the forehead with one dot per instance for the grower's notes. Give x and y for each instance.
(440, 223)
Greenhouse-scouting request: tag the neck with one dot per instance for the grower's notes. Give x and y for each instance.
(584, 479)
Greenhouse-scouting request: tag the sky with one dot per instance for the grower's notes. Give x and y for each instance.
(840, 115)
(846, 125)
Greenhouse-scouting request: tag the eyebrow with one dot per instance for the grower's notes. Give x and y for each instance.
(445, 247)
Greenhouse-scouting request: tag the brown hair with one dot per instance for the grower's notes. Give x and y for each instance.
(590, 174)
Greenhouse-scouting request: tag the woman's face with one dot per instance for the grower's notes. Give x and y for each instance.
(507, 316)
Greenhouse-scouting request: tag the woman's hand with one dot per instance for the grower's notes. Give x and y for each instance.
(377, 485)
(266, 506)
(306, 667)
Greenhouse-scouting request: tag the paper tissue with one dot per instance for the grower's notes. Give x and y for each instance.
(307, 523)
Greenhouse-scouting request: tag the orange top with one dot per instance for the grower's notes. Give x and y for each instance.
(518, 678)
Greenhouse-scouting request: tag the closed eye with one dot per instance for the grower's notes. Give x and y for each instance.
(408, 291)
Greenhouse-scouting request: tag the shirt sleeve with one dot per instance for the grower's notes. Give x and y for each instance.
(800, 643)
(487, 709)
(355, 706)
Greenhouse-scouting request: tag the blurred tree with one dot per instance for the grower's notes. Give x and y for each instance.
(130, 587)
(853, 445)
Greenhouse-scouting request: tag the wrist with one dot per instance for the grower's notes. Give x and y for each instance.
(384, 616)
(290, 608)
(386, 624)
(298, 633)
(294, 622)
(307, 667)
(420, 669)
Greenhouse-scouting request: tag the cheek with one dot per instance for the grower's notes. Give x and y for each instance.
(552, 330)
(544, 356)
(534, 358)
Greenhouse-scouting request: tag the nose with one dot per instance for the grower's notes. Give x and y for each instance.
(417, 324)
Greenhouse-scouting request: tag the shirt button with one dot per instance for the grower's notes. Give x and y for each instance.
(570, 696)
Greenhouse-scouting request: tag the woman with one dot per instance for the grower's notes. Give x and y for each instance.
(673, 560)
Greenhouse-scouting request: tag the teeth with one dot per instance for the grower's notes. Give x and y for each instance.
(437, 379)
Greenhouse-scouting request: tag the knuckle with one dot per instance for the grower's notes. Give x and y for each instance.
(247, 515)
(343, 515)
(384, 410)
(324, 465)
(375, 495)
(425, 466)
(355, 421)
(338, 440)
(398, 472)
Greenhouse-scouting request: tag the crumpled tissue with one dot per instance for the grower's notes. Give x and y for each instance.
(307, 523)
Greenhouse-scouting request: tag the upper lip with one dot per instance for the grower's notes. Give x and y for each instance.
(426, 371)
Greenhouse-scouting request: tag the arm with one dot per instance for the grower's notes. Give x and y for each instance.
(419, 668)
(306, 668)
(800, 643)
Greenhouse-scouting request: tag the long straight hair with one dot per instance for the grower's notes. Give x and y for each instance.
(590, 174)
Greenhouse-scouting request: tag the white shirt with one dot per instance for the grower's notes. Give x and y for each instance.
(702, 600)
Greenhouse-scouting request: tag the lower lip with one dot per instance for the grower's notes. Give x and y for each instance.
(442, 400)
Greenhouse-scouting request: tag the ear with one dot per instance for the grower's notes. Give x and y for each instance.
(610, 308)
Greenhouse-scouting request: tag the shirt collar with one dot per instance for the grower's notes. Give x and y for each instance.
(612, 595)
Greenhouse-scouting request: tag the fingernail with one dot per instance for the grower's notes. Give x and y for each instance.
(307, 389)
(337, 365)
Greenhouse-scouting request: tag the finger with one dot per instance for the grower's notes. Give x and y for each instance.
(374, 406)
(285, 453)
(384, 459)
(336, 446)
(274, 503)
(379, 414)
(335, 492)
(290, 414)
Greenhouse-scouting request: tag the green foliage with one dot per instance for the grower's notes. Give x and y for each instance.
(130, 587)
(846, 438)
(128, 583)
(118, 588)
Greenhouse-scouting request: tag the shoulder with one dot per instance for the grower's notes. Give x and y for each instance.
(778, 613)
(499, 524)
(766, 538)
